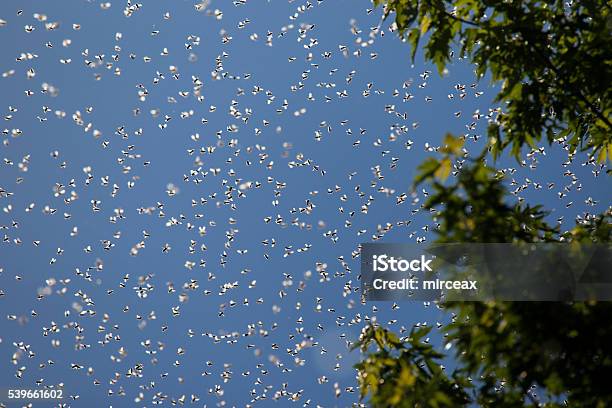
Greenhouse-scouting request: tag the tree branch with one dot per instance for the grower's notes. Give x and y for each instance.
(590, 105)
(468, 22)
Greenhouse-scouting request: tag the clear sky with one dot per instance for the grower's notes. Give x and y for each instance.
(241, 138)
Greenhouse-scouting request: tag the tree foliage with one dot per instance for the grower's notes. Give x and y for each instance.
(553, 60)
(404, 373)
(503, 349)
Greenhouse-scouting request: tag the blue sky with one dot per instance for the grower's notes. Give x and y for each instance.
(129, 148)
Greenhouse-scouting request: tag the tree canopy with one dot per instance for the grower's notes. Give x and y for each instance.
(503, 349)
(553, 61)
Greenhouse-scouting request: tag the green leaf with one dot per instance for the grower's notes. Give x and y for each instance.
(444, 169)
(601, 157)
(425, 22)
(414, 36)
(426, 170)
(452, 144)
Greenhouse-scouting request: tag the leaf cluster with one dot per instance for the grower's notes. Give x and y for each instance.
(553, 60)
(562, 349)
(407, 373)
